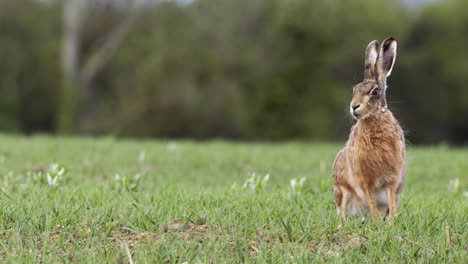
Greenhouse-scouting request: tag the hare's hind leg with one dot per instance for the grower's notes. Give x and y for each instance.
(342, 198)
(344, 204)
(340, 193)
(371, 202)
(392, 200)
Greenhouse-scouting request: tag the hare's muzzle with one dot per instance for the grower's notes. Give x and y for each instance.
(354, 109)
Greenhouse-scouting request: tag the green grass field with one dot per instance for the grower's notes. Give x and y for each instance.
(176, 202)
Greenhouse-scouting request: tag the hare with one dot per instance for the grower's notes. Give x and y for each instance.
(368, 172)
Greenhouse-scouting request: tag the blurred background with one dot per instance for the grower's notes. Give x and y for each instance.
(227, 69)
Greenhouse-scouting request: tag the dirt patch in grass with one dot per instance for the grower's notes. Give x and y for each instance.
(177, 230)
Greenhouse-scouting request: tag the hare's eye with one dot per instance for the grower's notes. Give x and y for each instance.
(375, 92)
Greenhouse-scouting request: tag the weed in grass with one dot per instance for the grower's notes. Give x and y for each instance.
(296, 187)
(256, 183)
(55, 174)
(125, 183)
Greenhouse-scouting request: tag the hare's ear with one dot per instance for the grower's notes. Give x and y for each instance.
(387, 56)
(371, 60)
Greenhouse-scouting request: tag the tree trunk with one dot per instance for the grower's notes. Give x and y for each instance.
(68, 100)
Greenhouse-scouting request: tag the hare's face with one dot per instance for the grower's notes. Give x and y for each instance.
(368, 99)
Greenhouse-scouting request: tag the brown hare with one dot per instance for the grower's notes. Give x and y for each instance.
(368, 172)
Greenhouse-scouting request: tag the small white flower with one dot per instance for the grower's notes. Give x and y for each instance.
(296, 185)
(61, 172)
(454, 185)
(51, 181)
(53, 167)
(293, 183)
(301, 182)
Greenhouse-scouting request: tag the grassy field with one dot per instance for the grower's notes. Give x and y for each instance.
(176, 202)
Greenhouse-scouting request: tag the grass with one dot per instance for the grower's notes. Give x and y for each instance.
(176, 202)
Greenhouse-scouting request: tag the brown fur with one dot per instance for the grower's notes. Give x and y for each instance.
(369, 171)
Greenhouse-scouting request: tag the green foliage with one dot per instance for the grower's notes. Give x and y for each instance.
(245, 69)
(185, 210)
(436, 68)
(30, 65)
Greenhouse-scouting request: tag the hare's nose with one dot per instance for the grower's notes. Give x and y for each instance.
(356, 107)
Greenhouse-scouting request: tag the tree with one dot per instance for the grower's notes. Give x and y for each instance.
(78, 71)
